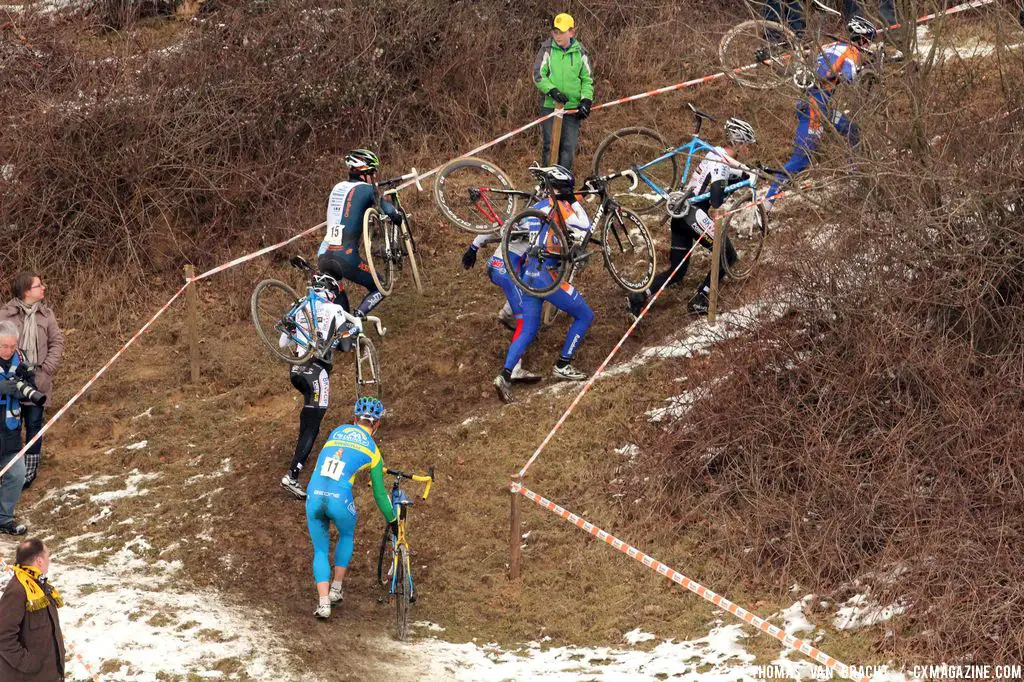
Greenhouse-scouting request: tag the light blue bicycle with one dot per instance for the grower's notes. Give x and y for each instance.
(649, 178)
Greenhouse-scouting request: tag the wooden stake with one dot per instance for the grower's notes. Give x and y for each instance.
(716, 262)
(192, 321)
(556, 135)
(514, 548)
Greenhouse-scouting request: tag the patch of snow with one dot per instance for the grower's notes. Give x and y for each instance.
(147, 413)
(636, 636)
(861, 611)
(699, 337)
(102, 514)
(137, 446)
(131, 489)
(715, 658)
(427, 625)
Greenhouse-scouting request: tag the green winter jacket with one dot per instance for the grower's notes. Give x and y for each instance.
(568, 70)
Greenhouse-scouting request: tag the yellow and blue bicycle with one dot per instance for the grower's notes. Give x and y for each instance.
(393, 567)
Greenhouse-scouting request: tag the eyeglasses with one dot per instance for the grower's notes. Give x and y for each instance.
(38, 286)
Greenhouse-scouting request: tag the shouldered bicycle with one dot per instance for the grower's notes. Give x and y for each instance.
(388, 246)
(653, 180)
(295, 328)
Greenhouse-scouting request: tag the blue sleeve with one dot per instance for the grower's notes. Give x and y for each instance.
(390, 211)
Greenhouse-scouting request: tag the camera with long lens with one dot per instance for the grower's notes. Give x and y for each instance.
(29, 394)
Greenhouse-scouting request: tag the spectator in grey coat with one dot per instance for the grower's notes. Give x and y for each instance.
(42, 344)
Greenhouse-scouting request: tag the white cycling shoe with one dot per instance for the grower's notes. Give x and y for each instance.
(503, 389)
(520, 375)
(323, 611)
(568, 373)
(337, 594)
(292, 485)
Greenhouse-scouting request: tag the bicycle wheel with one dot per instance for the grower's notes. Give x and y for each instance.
(760, 54)
(543, 266)
(747, 229)
(410, 251)
(472, 194)
(368, 379)
(377, 248)
(628, 250)
(631, 147)
(403, 593)
(276, 309)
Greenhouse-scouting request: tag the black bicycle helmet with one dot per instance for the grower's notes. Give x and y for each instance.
(559, 179)
(326, 283)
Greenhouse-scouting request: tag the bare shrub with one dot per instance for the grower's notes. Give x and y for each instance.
(876, 428)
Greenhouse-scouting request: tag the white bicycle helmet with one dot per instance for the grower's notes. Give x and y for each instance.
(861, 30)
(362, 161)
(739, 131)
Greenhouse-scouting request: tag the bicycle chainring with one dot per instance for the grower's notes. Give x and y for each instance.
(675, 204)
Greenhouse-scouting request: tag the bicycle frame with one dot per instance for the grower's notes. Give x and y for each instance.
(401, 502)
(478, 196)
(311, 337)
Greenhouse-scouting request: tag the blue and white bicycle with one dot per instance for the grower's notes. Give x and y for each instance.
(646, 177)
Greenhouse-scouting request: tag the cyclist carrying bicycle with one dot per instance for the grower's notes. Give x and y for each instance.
(312, 378)
(837, 63)
(349, 450)
(498, 275)
(339, 254)
(713, 174)
(566, 297)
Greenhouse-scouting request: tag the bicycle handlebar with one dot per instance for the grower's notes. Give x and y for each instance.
(396, 181)
(428, 479)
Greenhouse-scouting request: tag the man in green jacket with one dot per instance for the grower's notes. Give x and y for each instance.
(562, 73)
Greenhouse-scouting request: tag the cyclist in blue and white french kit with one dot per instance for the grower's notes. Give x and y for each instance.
(313, 378)
(528, 309)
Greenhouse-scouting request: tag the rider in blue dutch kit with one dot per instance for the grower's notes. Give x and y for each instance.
(837, 63)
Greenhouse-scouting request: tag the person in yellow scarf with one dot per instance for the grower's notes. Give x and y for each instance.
(31, 642)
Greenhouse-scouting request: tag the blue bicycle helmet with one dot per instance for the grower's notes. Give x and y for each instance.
(369, 408)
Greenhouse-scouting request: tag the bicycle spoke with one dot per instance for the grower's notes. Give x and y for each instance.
(636, 148)
(759, 54)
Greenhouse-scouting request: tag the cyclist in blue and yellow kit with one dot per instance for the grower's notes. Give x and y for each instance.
(348, 450)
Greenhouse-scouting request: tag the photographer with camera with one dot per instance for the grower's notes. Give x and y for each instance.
(15, 387)
(42, 346)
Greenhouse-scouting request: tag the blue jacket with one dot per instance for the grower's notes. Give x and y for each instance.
(10, 406)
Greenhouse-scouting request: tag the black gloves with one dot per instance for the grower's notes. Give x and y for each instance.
(583, 110)
(9, 387)
(394, 527)
(469, 258)
(556, 94)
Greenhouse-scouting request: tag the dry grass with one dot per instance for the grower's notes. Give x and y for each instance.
(910, 384)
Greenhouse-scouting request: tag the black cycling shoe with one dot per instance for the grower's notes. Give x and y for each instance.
(698, 304)
(635, 305)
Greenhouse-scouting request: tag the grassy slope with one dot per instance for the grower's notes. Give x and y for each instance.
(439, 356)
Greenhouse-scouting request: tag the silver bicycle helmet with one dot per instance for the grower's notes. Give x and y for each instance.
(739, 131)
(559, 178)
